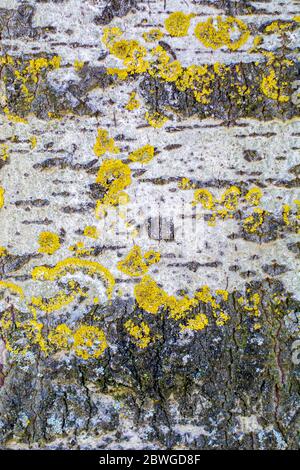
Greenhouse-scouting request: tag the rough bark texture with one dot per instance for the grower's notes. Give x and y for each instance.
(208, 358)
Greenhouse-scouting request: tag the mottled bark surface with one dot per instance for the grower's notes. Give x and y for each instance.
(161, 308)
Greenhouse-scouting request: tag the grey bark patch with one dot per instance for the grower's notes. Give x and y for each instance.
(114, 8)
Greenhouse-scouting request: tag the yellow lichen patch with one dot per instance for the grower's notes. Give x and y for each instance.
(254, 221)
(154, 34)
(13, 117)
(149, 296)
(4, 153)
(104, 144)
(177, 24)
(251, 304)
(185, 183)
(71, 265)
(133, 264)
(178, 308)
(37, 65)
(286, 210)
(269, 87)
(279, 26)
(133, 102)
(152, 257)
(80, 250)
(205, 198)
(223, 293)
(253, 196)
(2, 191)
(199, 79)
(49, 243)
(156, 119)
(33, 330)
(26, 75)
(216, 33)
(170, 72)
(12, 287)
(89, 342)
(60, 337)
(91, 231)
(142, 155)
(114, 176)
(33, 142)
(230, 198)
(141, 333)
(78, 65)
(289, 217)
(57, 302)
(123, 49)
(121, 74)
(110, 35)
(198, 323)
(3, 251)
(136, 63)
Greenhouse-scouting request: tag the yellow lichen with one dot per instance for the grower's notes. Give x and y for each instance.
(49, 243)
(4, 153)
(185, 183)
(205, 198)
(286, 211)
(114, 176)
(143, 154)
(178, 308)
(3, 251)
(149, 296)
(251, 304)
(156, 119)
(216, 33)
(57, 302)
(123, 49)
(254, 221)
(71, 265)
(122, 74)
(136, 264)
(111, 34)
(177, 24)
(170, 72)
(13, 117)
(198, 323)
(230, 198)
(278, 26)
(269, 87)
(154, 34)
(80, 249)
(254, 196)
(91, 231)
(89, 342)
(78, 65)
(133, 264)
(141, 333)
(136, 63)
(104, 144)
(199, 79)
(60, 337)
(133, 102)
(12, 287)
(33, 142)
(152, 257)
(2, 192)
